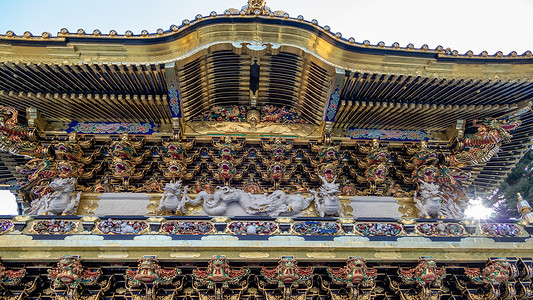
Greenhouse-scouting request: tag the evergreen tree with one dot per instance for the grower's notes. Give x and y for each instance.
(519, 180)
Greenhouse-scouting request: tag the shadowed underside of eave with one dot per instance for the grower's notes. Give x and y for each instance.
(87, 92)
(222, 78)
(394, 101)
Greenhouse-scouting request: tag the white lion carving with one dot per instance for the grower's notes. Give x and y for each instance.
(61, 201)
(433, 203)
(174, 199)
(428, 203)
(328, 202)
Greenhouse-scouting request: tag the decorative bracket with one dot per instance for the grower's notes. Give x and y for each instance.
(174, 97)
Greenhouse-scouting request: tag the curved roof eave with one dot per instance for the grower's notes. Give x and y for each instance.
(333, 49)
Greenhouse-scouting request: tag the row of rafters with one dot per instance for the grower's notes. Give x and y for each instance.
(85, 78)
(92, 107)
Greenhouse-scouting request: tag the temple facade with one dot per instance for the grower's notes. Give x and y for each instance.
(254, 155)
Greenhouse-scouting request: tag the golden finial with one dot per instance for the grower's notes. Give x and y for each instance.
(256, 7)
(256, 4)
(525, 209)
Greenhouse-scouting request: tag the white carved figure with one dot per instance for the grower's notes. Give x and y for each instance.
(61, 201)
(433, 203)
(449, 208)
(328, 202)
(428, 200)
(275, 204)
(125, 227)
(174, 199)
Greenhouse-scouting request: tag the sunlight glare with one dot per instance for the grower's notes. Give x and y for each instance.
(476, 210)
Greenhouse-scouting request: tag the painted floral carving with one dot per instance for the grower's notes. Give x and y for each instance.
(235, 113)
(378, 229)
(204, 184)
(152, 185)
(440, 229)
(103, 185)
(284, 114)
(261, 228)
(111, 226)
(347, 187)
(316, 228)
(383, 134)
(5, 226)
(500, 229)
(252, 186)
(54, 226)
(187, 227)
(112, 128)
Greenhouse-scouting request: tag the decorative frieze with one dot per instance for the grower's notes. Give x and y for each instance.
(385, 229)
(187, 227)
(288, 278)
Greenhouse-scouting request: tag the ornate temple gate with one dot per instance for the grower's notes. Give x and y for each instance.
(251, 155)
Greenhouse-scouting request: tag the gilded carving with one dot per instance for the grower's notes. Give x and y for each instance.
(426, 279)
(485, 143)
(125, 160)
(15, 138)
(176, 160)
(288, 277)
(70, 276)
(325, 162)
(375, 165)
(226, 161)
(278, 162)
(11, 277)
(356, 276)
(150, 275)
(221, 279)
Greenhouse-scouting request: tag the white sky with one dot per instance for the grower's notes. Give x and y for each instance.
(459, 24)
(8, 206)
